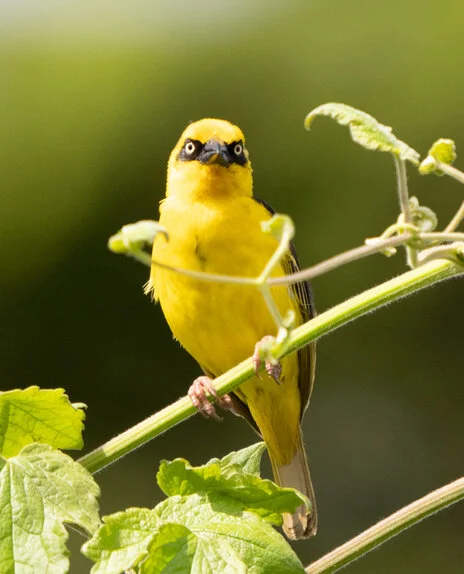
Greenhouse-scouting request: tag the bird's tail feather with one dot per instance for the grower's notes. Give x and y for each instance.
(300, 524)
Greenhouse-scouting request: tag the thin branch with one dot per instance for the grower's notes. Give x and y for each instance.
(458, 217)
(458, 176)
(309, 273)
(325, 266)
(328, 321)
(388, 528)
(376, 245)
(341, 259)
(402, 187)
(451, 171)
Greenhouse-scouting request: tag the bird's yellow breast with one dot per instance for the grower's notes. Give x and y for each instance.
(218, 324)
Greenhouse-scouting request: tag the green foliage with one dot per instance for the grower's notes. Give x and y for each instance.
(38, 415)
(212, 522)
(40, 490)
(422, 217)
(365, 130)
(442, 151)
(133, 239)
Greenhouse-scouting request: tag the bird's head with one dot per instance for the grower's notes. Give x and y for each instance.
(210, 161)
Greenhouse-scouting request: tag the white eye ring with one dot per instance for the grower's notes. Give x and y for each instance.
(189, 148)
(238, 149)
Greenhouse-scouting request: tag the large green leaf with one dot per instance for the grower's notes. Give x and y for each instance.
(255, 494)
(218, 519)
(39, 415)
(40, 490)
(195, 533)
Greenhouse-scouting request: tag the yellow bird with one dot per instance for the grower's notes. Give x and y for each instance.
(213, 224)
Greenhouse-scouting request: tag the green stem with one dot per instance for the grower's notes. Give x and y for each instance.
(451, 171)
(282, 249)
(402, 187)
(349, 256)
(389, 527)
(376, 245)
(458, 176)
(339, 315)
(458, 217)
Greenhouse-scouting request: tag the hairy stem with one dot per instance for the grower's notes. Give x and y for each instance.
(458, 217)
(451, 171)
(328, 321)
(402, 187)
(387, 528)
(458, 176)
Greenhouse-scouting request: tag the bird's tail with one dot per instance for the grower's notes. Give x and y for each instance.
(300, 524)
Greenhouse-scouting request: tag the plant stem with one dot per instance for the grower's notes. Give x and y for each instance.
(458, 217)
(328, 321)
(458, 176)
(308, 273)
(451, 171)
(374, 246)
(402, 187)
(387, 528)
(341, 259)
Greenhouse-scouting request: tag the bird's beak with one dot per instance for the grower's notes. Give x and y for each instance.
(215, 152)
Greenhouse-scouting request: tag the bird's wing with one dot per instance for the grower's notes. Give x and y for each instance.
(305, 303)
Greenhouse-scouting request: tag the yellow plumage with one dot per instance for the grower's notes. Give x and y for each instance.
(214, 225)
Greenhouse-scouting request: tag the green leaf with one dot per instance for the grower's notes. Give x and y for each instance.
(365, 130)
(442, 151)
(135, 236)
(248, 458)
(40, 489)
(195, 533)
(39, 415)
(255, 494)
(422, 216)
(122, 541)
(172, 550)
(227, 537)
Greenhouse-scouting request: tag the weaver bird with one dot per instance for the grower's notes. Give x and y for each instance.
(213, 223)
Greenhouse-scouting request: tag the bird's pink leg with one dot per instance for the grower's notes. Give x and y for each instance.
(198, 393)
(273, 369)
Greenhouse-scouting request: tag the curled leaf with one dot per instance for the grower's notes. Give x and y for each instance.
(135, 236)
(422, 216)
(365, 130)
(442, 151)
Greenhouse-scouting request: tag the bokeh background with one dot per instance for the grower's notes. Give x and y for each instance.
(94, 96)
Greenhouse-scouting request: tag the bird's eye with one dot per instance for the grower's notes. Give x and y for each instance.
(189, 148)
(238, 149)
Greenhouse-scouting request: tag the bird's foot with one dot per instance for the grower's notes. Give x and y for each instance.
(198, 393)
(263, 354)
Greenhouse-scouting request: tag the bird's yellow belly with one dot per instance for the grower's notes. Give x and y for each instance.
(219, 324)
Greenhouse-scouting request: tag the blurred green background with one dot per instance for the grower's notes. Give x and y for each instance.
(94, 96)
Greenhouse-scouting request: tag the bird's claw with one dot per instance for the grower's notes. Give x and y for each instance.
(198, 391)
(262, 354)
